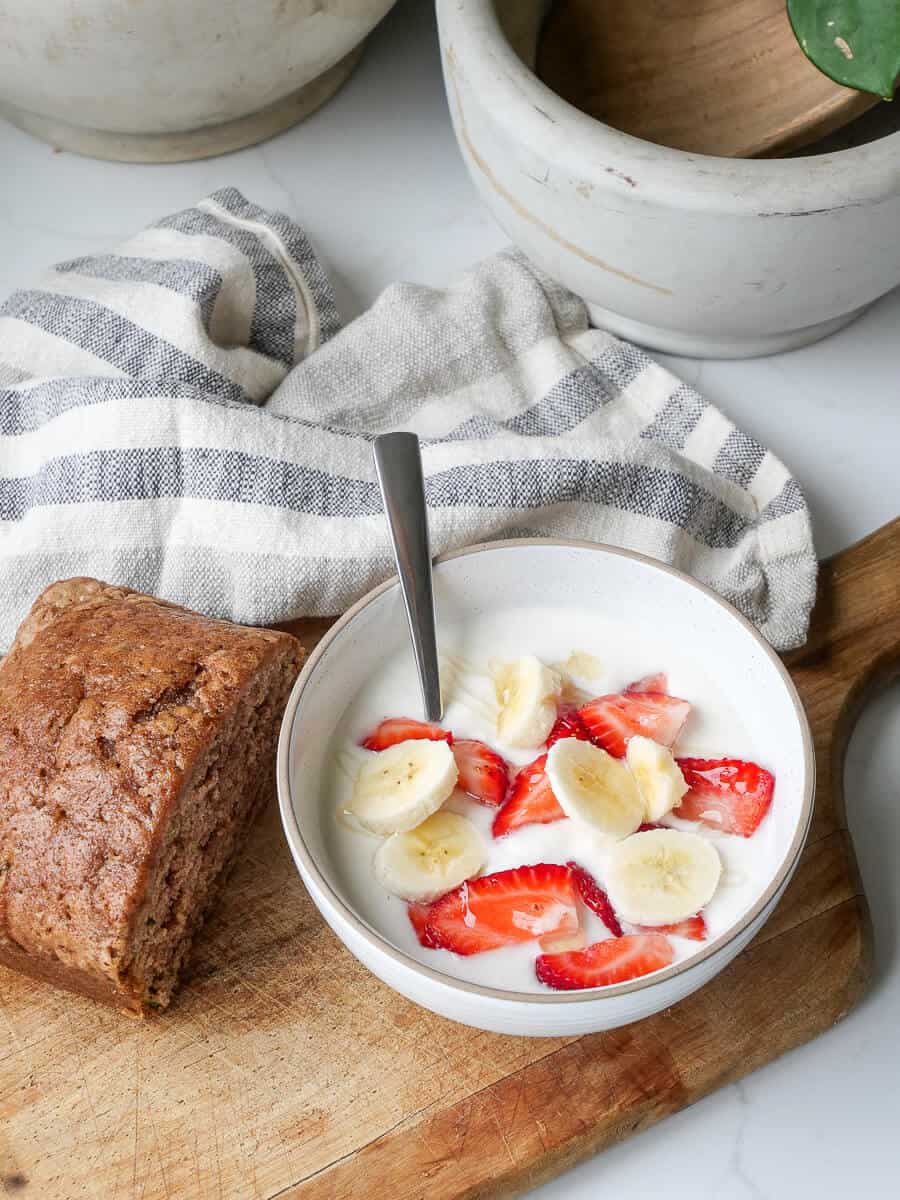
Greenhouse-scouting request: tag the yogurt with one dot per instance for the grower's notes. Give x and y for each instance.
(614, 654)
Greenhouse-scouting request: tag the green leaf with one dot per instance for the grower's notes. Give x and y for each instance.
(855, 42)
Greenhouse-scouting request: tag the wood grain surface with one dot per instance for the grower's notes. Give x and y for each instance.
(710, 76)
(285, 1069)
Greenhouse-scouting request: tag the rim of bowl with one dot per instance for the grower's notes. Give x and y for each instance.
(531, 112)
(377, 941)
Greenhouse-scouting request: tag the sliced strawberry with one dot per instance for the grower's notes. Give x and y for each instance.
(725, 794)
(482, 772)
(693, 928)
(531, 801)
(645, 826)
(650, 683)
(567, 725)
(612, 720)
(418, 916)
(614, 960)
(595, 898)
(404, 729)
(518, 905)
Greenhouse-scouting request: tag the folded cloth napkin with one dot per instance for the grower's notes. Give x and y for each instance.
(186, 417)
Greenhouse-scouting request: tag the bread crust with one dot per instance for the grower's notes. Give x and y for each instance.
(109, 700)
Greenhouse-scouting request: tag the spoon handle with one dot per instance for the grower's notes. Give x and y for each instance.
(398, 463)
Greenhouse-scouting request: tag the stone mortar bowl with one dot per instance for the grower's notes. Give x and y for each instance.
(686, 253)
(166, 80)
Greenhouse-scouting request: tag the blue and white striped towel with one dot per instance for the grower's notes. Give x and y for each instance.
(187, 417)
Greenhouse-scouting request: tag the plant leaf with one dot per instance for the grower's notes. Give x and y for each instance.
(855, 42)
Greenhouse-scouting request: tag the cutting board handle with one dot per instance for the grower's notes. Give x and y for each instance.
(853, 648)
(854, 636)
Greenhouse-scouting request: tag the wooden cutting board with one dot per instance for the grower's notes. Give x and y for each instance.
(285, 1069)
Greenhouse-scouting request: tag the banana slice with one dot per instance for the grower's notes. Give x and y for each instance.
(563, 943)
(593, 787)
(657, 775)
(662, 876)
(431, 859)
(397, 788)
(526, 692)
(584, 671)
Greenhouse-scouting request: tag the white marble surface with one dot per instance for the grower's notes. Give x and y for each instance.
(377, 181)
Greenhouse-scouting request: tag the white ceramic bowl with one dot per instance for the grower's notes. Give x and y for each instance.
(173, 79)
(480, 581)
(687, 253)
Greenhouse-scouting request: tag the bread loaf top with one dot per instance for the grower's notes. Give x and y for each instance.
(108, 701)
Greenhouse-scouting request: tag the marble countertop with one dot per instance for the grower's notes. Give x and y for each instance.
(376, 180)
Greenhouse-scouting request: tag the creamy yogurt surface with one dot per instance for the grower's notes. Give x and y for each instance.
(613, 654)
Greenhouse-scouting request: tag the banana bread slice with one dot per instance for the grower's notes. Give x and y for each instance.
(137, 744)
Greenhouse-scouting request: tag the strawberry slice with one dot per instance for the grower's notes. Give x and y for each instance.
(693, 928)
(567, 725)
(482, 772)
(418, 916)
(518, 905)
(725, 794)
(650, 683)
(531, 801)
(595, 898)
(611, 720)
(404, 729)
(646, 826)
(614, 960)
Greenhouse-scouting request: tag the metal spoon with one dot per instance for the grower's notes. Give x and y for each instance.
(398, 463)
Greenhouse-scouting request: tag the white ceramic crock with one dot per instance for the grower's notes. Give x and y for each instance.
(681, 252)
(481, 580)
(163, 80)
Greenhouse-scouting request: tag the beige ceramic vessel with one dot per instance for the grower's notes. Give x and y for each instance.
(689, 253)
(166, 80)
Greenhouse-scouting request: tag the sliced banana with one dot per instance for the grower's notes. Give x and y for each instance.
(527, 692)
(585, 671)
(563, 943)
(464, 683)
(594, 788)
(431, 859)
(662, 876)
(397, 788)
(657, 775)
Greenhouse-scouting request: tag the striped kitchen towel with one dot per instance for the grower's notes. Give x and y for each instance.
(187, 417)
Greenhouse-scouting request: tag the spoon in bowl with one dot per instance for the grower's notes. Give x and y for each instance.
(398, 464)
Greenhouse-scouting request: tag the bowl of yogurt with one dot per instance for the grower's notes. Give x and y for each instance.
(610, 808)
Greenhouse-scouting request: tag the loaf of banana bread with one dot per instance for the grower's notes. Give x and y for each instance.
(137, 744)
